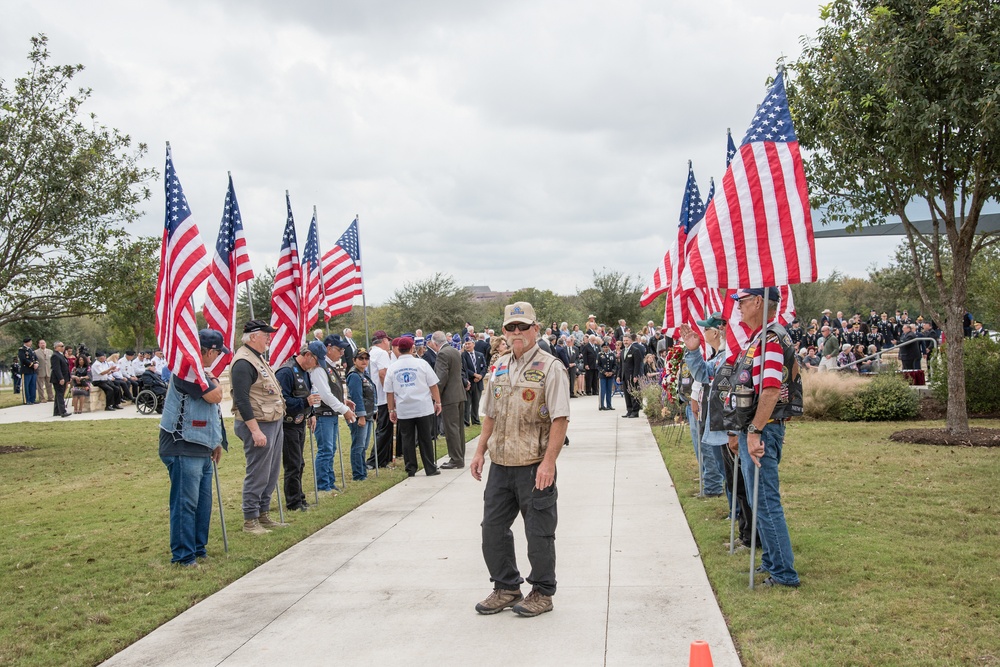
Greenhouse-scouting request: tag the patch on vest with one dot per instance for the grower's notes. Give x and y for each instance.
(528, 395)
(533, 375)
(744, 376)
(543, 411)
(537, 364)
(497, 392)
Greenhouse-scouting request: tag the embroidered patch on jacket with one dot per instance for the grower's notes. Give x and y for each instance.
(528, 395)
(543, 411)
(533, 375)
(497, 392)
(744, 377)
(537, 364)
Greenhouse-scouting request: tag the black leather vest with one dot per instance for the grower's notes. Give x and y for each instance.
(300, 389)
(741, 405)
(336, 388)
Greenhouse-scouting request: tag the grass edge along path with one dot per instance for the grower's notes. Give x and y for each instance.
(896, 545)
(84, 556)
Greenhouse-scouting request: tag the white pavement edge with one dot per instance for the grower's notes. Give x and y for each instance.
(395, 581)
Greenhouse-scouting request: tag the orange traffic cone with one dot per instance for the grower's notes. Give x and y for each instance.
(700, 655)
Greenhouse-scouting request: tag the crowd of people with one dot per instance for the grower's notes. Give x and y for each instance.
(45, 375)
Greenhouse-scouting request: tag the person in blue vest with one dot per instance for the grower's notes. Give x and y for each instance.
(192, 437)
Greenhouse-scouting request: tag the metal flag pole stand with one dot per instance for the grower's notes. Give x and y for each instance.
(312, 455)
(756, 470)
(368, 340)
(732, 510)
(699, 455)
(281, 512)
(222, 515)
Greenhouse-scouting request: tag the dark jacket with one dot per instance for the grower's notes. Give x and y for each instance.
(451, 378)
(59, 375)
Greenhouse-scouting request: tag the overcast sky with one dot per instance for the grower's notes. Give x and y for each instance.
(508, 144)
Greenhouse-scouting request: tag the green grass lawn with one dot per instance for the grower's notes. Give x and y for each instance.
(8, 397)
(896, 545)
(84, 554)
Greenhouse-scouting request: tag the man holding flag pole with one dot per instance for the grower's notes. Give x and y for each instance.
(192, 433)
(757, 234)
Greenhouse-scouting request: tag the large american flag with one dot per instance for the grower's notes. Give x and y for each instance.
(738, 333)
(692, 213)
(667, 274)
(342, 273)
(230, 267)
(183, 269)
(759, 232)
(286, 316)
(312, 291)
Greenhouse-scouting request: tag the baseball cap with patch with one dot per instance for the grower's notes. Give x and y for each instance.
(318, 350)
(210, 339)
(522, 311)
(258, 325)
(772, 293)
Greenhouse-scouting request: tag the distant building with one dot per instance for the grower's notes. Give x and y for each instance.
(480, 293)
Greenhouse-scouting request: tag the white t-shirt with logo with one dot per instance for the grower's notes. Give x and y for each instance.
(409, 380)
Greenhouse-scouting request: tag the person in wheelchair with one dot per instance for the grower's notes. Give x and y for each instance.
(151, 380)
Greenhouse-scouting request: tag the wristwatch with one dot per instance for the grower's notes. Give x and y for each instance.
(752, 429)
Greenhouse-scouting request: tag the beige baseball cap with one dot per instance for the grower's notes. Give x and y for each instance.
(521, 311)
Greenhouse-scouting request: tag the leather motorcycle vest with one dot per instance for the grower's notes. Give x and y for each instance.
(741, 405)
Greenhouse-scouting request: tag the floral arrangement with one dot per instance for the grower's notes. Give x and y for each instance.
(672, 371)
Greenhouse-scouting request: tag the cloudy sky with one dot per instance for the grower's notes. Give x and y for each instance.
(509, 144)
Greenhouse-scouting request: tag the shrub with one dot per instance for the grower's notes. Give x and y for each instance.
(982, 363)
(824, 394)
(653, 397)
(887, 397)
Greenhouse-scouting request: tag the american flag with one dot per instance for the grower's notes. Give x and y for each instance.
(730, 148)
(692, 212)
(312, 291)
(342, 272)
(667, 273)
(738, 333)
(230, 267)
(759, 231)
(286, 317)
(183, 269)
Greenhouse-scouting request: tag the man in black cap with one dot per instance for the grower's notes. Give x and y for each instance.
(300, 399)
(28, 362)
(259, 408)
(329, 383)
(192, 437)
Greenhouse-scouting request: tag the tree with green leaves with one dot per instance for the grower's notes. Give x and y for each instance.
(260, 289)
(67, 186)
(615, 295)
(126, 287)
(896, 102)
(432, 304)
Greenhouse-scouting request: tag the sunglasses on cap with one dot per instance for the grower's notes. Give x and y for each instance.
(516, 326)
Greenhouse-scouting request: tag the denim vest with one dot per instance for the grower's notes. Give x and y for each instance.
(197, 421)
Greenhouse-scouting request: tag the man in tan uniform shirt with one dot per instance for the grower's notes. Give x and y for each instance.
(526, 408)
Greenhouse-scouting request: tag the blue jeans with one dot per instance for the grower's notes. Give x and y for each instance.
(776, 545)
(607, 388)
(359, 443)
(712, 477)
(190, 506)
(326, 446)
(30, 381)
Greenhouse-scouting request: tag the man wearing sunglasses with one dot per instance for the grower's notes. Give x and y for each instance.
(526, 413)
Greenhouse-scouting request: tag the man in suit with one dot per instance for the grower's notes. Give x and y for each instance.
(631, 371)
(483, 347)
(451, 383)
(59, 376)
(474, 365)
(590, 350)
(351, 350)
(44, 356)
(620, 330)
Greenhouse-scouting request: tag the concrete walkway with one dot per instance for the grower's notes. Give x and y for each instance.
(395, 582)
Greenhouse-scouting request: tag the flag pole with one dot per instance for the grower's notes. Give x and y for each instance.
(364, 304)
(222, 516)
(319, 258)
(761, 353)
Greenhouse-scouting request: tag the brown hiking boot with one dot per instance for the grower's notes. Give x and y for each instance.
(253, 526)
(266, 521)
(534, 604)
(499, 600)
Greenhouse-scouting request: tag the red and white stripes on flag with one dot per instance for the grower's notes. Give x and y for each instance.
(738, 333)
(660, 282)
(758, 231)
(342, 273)
(230, 267)
(312, 291)
(183, 268)
(286, 315)
(699, 304)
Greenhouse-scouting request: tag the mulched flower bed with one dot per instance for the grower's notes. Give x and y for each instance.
(14, 449)
(978, 437)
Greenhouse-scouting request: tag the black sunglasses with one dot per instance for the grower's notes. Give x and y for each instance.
(518, 326)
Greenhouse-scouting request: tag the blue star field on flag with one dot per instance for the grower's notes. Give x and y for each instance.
(773, 120)
(692, 208)
(349, 241)
(730, 148)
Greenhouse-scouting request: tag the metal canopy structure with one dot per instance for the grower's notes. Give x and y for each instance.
(989, 223)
